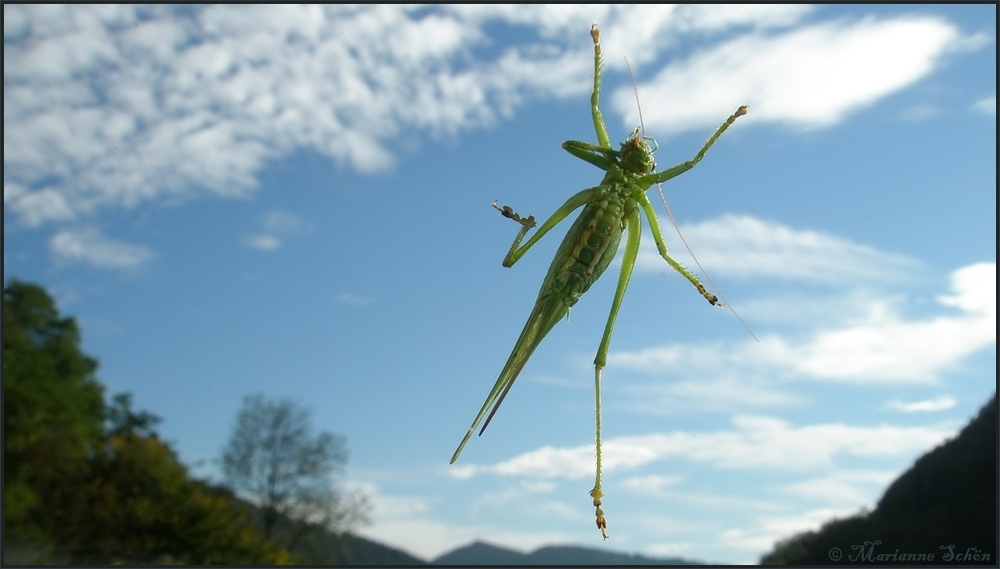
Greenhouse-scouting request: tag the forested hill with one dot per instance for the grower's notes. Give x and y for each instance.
(941, 510)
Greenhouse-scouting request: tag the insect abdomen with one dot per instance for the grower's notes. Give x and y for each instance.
(587, 249)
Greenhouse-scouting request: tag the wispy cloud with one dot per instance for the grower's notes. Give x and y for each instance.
(650, 485)
(263, 242)
(987, 105)
(882, 347)
(38, 206)
(89, 246)
(702, 500)
(887, 347)
(768, 529)
(747, 247)
(703, 388)
(111, 106)
(813, 76)
(843, 486)
(406, 521)
(277, 224)
(928, 405)
(753, 442)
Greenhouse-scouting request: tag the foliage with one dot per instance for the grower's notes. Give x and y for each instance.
(52, 412)
(76, 492)
(143, 507)
(122, 420)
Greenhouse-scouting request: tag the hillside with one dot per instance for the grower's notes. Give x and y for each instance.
(943, 506)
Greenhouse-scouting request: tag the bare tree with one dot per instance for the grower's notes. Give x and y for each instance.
(273, 456)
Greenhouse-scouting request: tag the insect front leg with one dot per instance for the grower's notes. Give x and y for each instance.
(526, 225)
(603, 158)
(602, 131)
(581, 198)
(633, 224)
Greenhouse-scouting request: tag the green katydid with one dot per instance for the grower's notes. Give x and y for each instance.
(589, 247)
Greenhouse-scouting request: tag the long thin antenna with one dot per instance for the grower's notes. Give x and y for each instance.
(702, 269)
(635, 89)
(642, 125)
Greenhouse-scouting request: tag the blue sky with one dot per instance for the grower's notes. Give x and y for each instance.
(296, 201)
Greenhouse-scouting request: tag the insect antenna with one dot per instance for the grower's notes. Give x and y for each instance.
(663, 198)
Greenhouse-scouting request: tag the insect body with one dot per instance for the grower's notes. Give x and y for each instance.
(609, 210)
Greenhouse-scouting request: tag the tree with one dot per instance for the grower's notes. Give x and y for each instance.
(121, 420)
(143, 507)
(273, 457)
(53, 410)
(89, 483)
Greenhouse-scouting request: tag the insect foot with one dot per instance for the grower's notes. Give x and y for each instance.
(509, 213)
(602, 523)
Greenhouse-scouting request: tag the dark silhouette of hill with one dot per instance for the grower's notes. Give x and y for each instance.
(944, 506)
(480, 553)
(361, 551)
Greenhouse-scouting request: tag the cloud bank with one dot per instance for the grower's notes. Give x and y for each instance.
(112, 106)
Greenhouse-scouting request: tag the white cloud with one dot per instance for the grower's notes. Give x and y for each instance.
(90, 247)
(38, 206)
(533, 507)
(929, 405)
(747, 247)
(813, 76)
(283, 221)
(276, 222)
(845, 487)
(264, 242)
(706, 388)
(668, 549)
(881, 347)
(770, 529)
(406, 521)
(754, 442)
(888, 348)
(390, 506)
(704, 501)
(115, 105)
(975, 288)
(987, 105)
(651, 485)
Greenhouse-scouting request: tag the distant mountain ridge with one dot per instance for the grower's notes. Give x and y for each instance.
(482, 553)
(948, 497)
